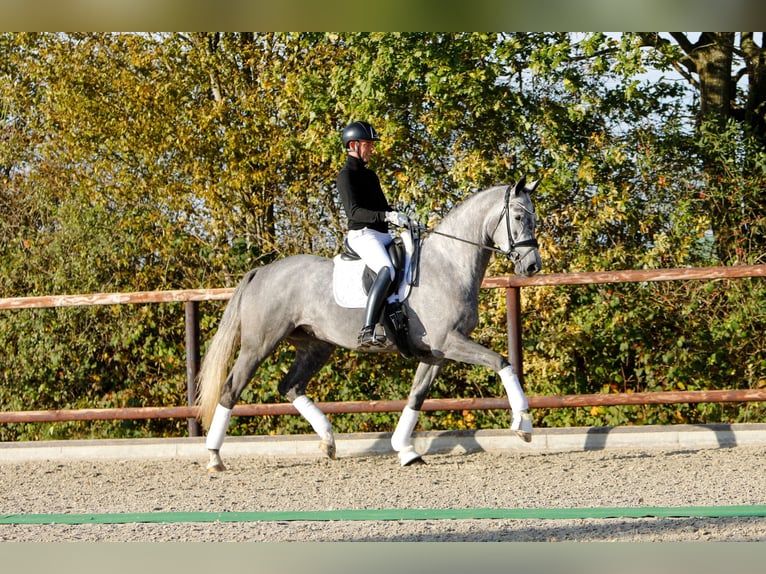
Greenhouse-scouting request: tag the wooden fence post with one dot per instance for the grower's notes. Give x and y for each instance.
(191, 316)
(513, 310)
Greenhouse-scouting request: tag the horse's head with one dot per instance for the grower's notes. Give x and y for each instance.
(515, 230)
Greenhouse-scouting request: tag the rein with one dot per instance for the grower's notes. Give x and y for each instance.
(512, 245)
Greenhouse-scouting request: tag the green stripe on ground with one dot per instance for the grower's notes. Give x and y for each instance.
(392, 514)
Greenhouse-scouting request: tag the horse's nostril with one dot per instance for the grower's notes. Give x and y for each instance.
(532, 269)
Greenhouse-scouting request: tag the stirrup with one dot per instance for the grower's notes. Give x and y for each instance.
(368, 338)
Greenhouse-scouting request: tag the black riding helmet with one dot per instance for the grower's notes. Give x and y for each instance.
(358, 131)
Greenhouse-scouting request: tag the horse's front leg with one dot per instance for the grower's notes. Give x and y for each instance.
(521, 420)
(460, 348)
(319, 422)
(401, 441)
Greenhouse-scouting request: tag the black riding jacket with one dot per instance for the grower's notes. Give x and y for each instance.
(363, 199)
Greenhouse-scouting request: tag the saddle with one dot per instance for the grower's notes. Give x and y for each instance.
(395, 320)
(397, 254)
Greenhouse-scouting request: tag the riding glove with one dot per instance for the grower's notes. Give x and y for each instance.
(397, 218)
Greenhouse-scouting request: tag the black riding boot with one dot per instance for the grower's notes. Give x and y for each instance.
(375, 301)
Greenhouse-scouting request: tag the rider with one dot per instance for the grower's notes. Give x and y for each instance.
(369, 214)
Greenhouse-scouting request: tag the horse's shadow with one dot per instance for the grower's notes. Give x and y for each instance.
(433, 442)
(692, 437)
(717, 435)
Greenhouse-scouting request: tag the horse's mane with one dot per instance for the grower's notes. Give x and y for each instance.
(465, 204)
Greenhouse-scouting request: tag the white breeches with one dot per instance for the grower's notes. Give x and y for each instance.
(371, 247)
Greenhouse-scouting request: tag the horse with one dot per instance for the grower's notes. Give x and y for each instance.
(292, 300)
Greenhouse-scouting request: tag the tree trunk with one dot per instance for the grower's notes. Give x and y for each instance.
(755, 66)
(711, 58)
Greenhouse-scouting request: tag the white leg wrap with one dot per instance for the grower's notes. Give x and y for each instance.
(402, 437)
(319, 422)
(218, 427)
(516, 396)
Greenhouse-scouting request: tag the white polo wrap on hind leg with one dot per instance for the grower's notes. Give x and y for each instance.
(516, 396)
(312, 413)
(402, 437)
(218, 428)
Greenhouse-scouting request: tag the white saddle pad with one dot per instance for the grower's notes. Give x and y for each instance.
(347, 283)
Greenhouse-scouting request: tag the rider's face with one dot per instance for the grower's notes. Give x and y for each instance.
(364, 149)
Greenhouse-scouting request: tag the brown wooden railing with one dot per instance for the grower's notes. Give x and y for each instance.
(512, 284)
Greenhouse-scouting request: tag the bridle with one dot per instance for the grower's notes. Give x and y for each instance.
(505, 215)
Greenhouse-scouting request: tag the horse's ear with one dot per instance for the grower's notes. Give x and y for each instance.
(520, 185)
(533, 186)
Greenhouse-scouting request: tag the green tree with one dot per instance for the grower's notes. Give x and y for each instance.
(728, 73)
(154, 161)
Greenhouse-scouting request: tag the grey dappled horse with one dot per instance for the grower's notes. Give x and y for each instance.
(292, 299)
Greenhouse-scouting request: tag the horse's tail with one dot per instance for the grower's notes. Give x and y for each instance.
(215, 365)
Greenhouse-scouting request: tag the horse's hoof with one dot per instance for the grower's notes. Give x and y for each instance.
(522, 424)
(216, 467)
(410, 456)
(327, 446)
(525, 436)
(214, 463)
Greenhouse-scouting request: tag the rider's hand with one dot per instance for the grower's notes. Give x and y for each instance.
(397, 218)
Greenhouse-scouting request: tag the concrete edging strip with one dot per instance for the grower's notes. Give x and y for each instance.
(427, 442)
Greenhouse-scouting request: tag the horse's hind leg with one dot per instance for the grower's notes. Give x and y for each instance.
(243, 370)
(310, 355)
(249, 359)
(401, 441)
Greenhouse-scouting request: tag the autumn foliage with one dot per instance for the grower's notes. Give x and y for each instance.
(135, 162)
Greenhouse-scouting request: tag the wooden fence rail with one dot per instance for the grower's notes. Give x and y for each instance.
(512, 284)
